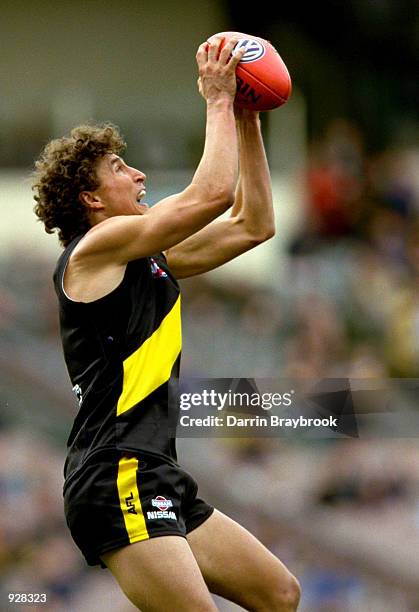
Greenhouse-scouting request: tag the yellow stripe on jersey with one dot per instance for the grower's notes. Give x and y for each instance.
(151, 364)
(129, 499)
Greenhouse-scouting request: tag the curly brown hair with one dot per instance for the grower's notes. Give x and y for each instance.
(66, 167)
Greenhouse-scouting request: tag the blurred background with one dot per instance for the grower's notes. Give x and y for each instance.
(334, 294)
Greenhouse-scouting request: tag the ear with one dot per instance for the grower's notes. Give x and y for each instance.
(91, 201)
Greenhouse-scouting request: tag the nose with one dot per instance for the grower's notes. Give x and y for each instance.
(138, 175)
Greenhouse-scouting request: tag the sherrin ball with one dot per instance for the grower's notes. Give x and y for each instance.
(263, 80)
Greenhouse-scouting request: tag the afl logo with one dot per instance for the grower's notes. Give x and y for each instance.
(254, 50)
(161, 502)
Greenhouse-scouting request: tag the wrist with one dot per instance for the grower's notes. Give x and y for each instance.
(248, 125)
(245, 114)
(222, 101)
(248, 118)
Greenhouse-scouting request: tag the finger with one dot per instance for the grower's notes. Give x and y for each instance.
(237, 56)
(228, 50)
(202, 53)
(213, 48)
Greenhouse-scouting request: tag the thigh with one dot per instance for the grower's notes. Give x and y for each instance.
(160, 574)
(235, 564)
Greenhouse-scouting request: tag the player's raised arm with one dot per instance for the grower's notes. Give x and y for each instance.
(252, 217)
(124, 236)
(253, 199)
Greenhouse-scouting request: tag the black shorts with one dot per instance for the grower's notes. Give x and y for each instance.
(120, 500)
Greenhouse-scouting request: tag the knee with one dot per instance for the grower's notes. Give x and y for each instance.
(281, 595)
(286, 596)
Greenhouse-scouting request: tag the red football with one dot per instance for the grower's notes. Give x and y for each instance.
(263, 80)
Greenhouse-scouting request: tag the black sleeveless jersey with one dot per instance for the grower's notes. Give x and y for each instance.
(123, 353)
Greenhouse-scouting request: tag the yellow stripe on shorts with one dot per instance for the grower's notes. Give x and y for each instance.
(151, 364)
(129, 499)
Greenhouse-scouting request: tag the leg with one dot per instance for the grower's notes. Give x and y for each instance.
(160, 574)
(238, 567)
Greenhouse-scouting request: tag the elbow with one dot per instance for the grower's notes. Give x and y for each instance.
(224, 198)
(255, 238)
(270, 232)
(216, 200)
(264, 234)
(254, 233)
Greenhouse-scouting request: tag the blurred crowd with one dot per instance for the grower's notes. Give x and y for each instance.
(349, 307)
(344, 516)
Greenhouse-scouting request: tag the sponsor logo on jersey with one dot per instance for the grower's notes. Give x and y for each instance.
(163, 511)
(161, 502)
(254, 50)
(130, 504)
(161, 514)
(156, 271)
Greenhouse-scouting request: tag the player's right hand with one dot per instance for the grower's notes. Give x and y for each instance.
(217, 68)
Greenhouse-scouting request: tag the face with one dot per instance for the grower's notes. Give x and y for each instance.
(120, 187)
